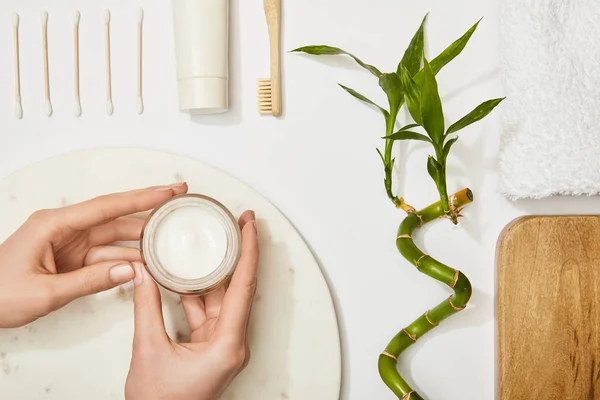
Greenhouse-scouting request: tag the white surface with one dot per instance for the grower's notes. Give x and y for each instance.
(317, 163)
(202, 54)
(550, 64)
(90, 339)
(191, 242)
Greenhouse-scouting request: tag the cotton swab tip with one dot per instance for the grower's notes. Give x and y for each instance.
(15, 19)
(18, 108)
(48, 108)
(109, 107)
(140, 105)
(76, 17)
(140, 15)
(77, 109)
(107, 16)
(44, 17)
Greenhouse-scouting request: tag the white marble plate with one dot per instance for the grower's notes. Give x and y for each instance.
(83, 350)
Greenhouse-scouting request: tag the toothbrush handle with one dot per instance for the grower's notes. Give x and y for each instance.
(273, 15)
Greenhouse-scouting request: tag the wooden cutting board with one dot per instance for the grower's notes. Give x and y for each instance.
(548, 308)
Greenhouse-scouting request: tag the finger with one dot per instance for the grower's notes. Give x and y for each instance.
(107, 208)
(108, 253)
(213, 301)
(194, 311)
(237, 303)
(120, 230)
(90, 280)
(246, 217)
(149, 322)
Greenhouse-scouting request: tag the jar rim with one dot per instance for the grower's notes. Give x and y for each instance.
(208, 283)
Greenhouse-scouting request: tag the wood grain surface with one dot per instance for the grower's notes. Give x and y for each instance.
(548, 309)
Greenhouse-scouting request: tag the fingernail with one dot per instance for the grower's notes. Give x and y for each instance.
(253, 214)
(170, 187)
(139, 274)
(121, 273)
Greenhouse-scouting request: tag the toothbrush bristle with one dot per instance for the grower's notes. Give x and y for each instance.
(265, 103)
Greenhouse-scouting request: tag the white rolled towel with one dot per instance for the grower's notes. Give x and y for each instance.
(550, 62)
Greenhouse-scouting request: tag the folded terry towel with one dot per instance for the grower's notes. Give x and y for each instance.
(550, 60)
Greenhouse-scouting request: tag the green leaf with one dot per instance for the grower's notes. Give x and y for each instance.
(453, 50)
(414, 53)
(409, 126)
(323, 50)
(412, 95)
(363, 98)
(392, 86)
(381, 155)
(431, 105)
(435, 169)
(480, 112)
(448, 146)
(449, 54)
(408, 135)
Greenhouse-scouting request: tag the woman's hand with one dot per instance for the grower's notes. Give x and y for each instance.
(61, 254)
(203, 369)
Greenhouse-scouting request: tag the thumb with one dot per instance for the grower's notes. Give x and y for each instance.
(149, 323)
(92, 279)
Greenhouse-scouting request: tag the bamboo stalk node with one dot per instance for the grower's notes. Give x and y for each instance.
(456, 275)
(420, 219)
(385, 353)
(428, 319)
(410, 335)
(418, 262)
(453, 306)
(407, 395)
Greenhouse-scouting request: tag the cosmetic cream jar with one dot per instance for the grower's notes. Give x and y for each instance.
(191, 244)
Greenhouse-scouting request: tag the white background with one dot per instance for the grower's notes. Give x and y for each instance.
(317, 164)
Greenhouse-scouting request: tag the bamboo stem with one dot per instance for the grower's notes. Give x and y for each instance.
(431, 318)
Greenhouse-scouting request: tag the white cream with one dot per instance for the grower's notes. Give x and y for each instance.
(190, 242)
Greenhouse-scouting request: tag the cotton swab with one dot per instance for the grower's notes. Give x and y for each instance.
(76, 18)
(46, 75)
(109, 103)
(18, 106)
(140, 18)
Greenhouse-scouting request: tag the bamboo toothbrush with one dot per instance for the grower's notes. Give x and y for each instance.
(46, 75)
(140, 18)
(76, 17)
(269, 90)
(18, 106)
(109, 103)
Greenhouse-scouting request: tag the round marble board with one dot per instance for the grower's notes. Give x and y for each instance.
(83, 350)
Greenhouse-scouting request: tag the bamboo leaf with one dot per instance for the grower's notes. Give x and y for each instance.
(431, 105)
(480, 112)
(414, 53)
(408, 135)
(392, 86)
(323, 50)
(381, 155)
(449, 54)
(448, 146)
(364, 99)
(435, 169)
(409, 126)
(412, 95)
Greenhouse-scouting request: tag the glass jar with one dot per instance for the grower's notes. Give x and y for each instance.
(191, 244)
